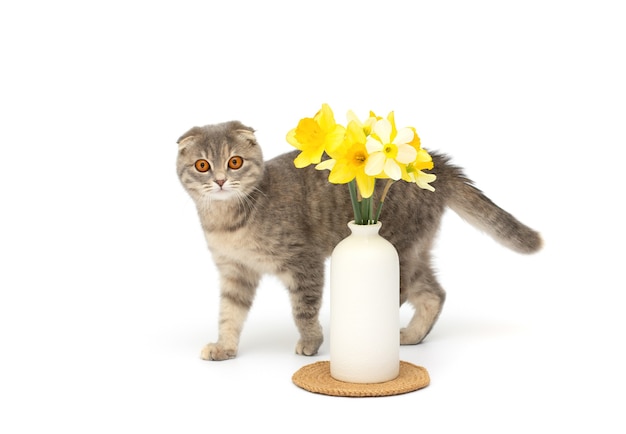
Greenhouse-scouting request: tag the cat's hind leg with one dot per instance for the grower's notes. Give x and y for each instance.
(427, 297)
(238, 288)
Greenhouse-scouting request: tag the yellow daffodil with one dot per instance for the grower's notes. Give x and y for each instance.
(389, 148)
(315, 135)
(367, 125)
(412, 172)
(360, 154)
(349, 159)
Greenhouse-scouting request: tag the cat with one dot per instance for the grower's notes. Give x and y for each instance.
(268, 217)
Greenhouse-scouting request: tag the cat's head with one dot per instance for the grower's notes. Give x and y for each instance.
(219, 162)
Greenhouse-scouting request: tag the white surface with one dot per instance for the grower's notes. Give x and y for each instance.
(108, 292)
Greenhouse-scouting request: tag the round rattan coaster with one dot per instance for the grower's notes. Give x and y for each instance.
(316, 378)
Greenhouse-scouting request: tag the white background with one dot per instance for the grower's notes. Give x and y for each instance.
(108, 292)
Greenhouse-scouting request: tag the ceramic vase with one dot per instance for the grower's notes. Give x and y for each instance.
(364, 307)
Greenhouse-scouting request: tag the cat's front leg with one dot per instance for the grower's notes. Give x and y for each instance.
(238, 287)
(305, 292)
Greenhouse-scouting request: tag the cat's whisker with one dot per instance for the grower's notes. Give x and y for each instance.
(246, 204)
(259, 191)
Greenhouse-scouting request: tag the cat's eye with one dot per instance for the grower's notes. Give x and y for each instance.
(235, 162)
(202, 166)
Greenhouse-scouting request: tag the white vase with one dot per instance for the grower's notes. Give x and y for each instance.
(364, 308)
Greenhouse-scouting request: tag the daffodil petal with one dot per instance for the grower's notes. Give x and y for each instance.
(375, 164)
(382, 129)
(365, 184)
(352, 117)
(302, 160)
(325, 118)
(372, 145)
(416, 142)
(309, 157)
(423, 166)
(406, 154)
(335, 138)
(392, 121)
(326, 164)
(422, 180)
(355, 133)
(405, 135)
(342, 173)
(423, 156)
(291, 139)
(405, 173)
(367, 127)
(428, 177)
(392, 169)
(423, 160)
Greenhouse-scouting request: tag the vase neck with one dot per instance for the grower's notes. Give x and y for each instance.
(364, 229)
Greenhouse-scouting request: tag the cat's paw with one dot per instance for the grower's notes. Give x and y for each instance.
(309, 347)
(410, 337)
(217, 352)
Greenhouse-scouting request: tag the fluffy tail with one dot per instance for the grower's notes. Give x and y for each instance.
(478, 210)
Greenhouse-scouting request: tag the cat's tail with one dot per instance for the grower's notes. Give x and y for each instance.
(477, 209)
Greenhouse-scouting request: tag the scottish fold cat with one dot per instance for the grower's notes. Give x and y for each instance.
(268, 217)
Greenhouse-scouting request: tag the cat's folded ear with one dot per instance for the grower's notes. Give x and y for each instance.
(244, 132)
(184, 141)
(248, 135)
(187, 138)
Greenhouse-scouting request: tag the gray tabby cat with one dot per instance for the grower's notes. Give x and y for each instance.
(270, 217)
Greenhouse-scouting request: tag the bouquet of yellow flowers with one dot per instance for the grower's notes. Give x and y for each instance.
(360, 153)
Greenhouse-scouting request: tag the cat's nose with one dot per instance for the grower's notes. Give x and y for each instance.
(220, 182)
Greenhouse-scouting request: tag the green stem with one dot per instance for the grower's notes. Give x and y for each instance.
(358, 219)
(382, 199)
(379, 211)
(365, 210)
